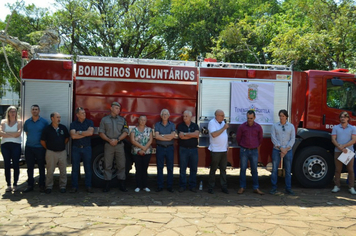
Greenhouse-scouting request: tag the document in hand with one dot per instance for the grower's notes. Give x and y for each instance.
(346, 157)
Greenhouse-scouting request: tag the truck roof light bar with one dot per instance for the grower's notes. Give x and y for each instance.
(245, 66)
(52, 56)
(135, 61)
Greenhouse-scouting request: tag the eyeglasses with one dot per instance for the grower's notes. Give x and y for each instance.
(58, 132)
(283, 128)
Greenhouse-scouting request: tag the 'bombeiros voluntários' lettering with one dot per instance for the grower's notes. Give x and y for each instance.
(139, 73)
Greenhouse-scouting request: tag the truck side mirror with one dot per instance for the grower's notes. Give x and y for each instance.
(337, 82)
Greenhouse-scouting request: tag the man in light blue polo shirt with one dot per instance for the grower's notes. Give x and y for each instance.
(343, 136)
(34, 152)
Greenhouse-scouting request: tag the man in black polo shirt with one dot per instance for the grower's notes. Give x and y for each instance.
(80, 131)
(54, 139)
(188, 133)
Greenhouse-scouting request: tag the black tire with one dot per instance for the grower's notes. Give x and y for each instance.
(314, 167)
(97, 160)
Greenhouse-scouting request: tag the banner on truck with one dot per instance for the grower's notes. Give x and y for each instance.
(252, 96)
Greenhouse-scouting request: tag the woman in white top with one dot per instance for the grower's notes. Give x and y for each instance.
(10, 133)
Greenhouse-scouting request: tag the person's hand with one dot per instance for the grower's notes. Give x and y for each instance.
(344, 150)
(113, 142)
(181, 134)
(226, 125)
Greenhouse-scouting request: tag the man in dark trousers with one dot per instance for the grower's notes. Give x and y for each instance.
(188, 133)
(80, 131)
(34, 151)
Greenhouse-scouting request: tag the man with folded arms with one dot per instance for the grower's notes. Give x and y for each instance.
(80, 131)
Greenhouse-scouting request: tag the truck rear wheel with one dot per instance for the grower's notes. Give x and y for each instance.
(314, 167)
(98, 167)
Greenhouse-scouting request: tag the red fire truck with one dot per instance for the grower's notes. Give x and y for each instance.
(313, 99)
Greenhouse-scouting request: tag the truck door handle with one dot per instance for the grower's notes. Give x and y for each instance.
(324, 117)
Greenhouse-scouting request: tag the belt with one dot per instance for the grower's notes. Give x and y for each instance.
(189, 147)
(81, 146)
(248, 148)
(165, 146)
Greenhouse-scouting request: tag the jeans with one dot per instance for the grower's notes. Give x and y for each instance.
(33, 155)
(245, 156)
(141, 165)
(77, 155)
(188, 156)
(218, 159)
(287, 163)
(165, 153)
(11, 152)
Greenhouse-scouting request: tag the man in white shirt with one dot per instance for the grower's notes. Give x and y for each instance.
(218, 147)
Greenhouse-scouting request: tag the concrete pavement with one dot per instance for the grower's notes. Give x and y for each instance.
(309, 212)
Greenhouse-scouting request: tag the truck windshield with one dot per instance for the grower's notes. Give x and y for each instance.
(341, 97)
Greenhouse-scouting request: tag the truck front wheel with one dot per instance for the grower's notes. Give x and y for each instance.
(314, 167)
(97, 159)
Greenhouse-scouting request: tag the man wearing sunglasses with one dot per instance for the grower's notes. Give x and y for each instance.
(283, 139)
(343, 136)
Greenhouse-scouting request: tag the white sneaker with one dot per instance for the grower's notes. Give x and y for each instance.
(137, 190)
(335, 189)
(8, 189)
(352, 190)
(147, 190)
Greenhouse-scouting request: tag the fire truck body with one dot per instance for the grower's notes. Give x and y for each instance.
(313, 99)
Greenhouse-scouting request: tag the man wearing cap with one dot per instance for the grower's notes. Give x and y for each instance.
(113, 129)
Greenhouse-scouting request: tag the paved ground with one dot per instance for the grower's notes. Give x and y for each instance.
(309, 212)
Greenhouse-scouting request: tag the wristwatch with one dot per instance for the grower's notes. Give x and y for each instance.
(162, 135)
(184, 134)
(80, 132)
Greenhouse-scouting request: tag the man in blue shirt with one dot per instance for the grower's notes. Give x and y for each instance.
(165, 134)
(80, 131)
(34, 152)
(343, 136)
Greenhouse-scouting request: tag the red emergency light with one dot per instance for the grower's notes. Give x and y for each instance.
(340, 70)
(67, 65)
(24, 54)
(251, 73)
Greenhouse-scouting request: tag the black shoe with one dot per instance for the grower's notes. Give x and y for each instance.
(48, 191)
(122, 186)
(62, 190)
(159, 190)
(181, 189)
(211, 191)
(224, 190)
(194, 190)
(28, 189)
(42, 189)
(73, 190)
(171, 190)
(90, 190)
(107, 187)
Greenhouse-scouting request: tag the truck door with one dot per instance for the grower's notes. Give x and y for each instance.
(340, 96)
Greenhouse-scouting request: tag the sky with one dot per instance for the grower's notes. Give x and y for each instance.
(4, 11)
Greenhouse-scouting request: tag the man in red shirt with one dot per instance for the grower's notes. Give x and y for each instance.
(249, 137)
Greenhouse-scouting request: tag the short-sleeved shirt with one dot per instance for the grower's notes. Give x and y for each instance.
(343, 136)
(168, 129)
(34, 131)
(113, 127)
(283, 135)
(55, 138)
(81, 126)
(249, 136)
(188, 143)
(219, 143)
(142, 138)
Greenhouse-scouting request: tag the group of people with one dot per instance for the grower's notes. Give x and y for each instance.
(46, 146)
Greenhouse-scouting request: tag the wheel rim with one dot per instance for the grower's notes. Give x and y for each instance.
(315, 168)
(98, 167)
